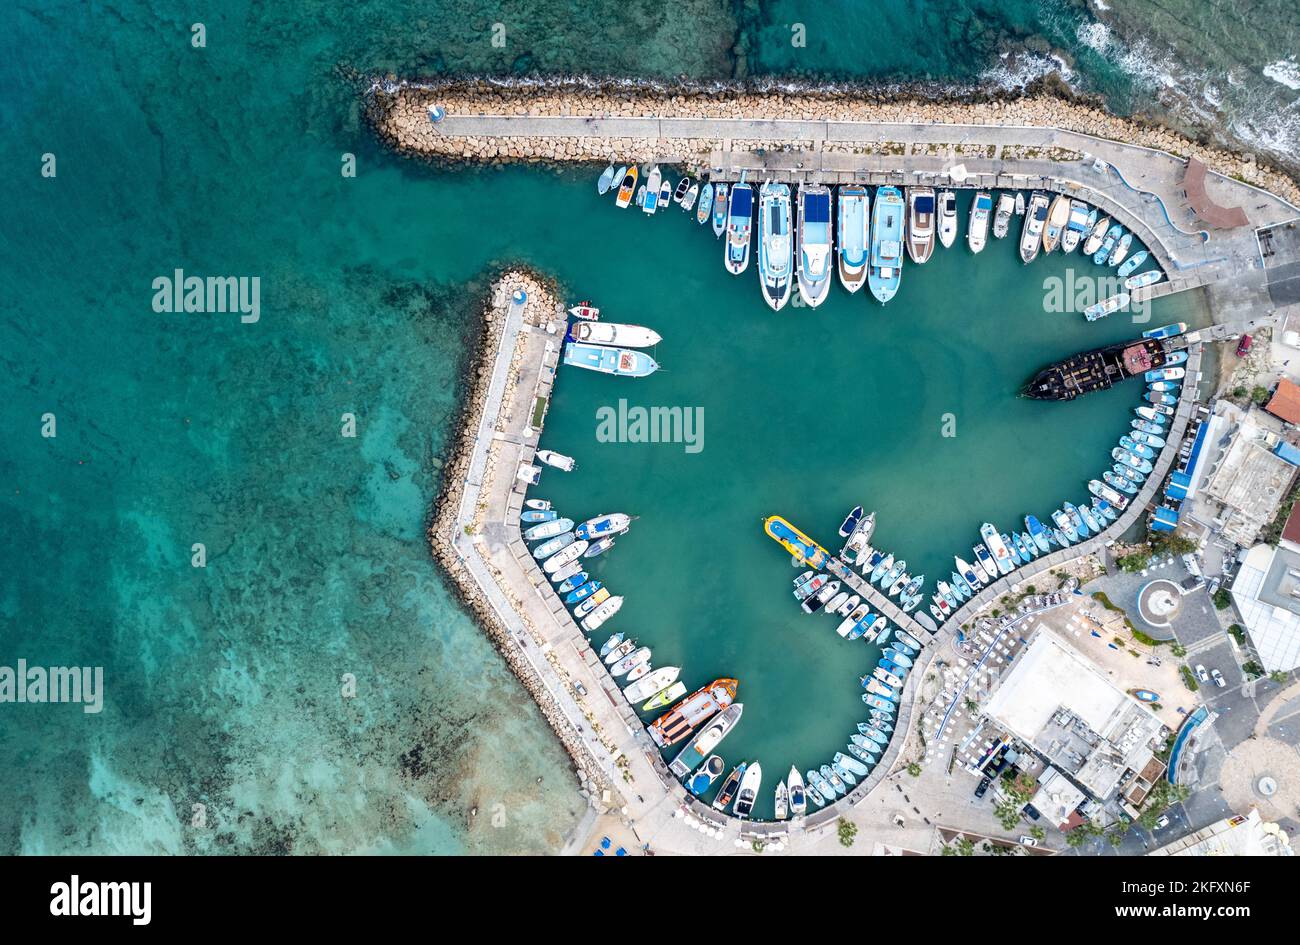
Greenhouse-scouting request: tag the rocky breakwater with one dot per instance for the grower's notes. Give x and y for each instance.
(400, 116)
(447, 521)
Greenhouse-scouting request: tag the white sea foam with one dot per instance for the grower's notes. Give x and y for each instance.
(1285, 71)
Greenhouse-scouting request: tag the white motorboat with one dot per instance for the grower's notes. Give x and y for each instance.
(612, 333)
(947, 218)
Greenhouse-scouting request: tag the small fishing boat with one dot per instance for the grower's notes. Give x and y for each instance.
(1161, 398)
(1031, 235)
(705, 775)
(549, 529)
(620, 651)
(683, 186)
(1066, 525)
(624, 362)
(748, 793)
(636, 657)
(1117, 481)
(1096, 237)
(652, 183)
(1108, 244)
(879, 722)
(573, 582)
(582, 593)
(740, 220)
(1106, 492)
(640, 197)
(775, 249)
(985, 560)
(892, 574)
(1105, 509)
(647, 686)
(612, 333)
(1120, 251)
(972, 577)
(540, 505)
(1107, 306)
(782, 801)
(1142, 279)
(609, 644)
(585, 310)
(850, 604)
(882, 568)
(908, 641)
(1131, 264)
(947, 218)
(813, 268)
(1002, 218)
(977, 227)
(1166, 374)
(853, 224)
(705, 210)
(817, 601)
(719, 208)
(706, 739)
(1076, 228)
(671, 694)
(610, 523)
(844, 774)
(1166, 331)
(598, 547)
(571, 571)
(833, 606)
(1148, 428)
(665, 194)
(597, 618)
(819, 784)
(605, 181)
(591, 602)
(538, 515)
(1150, 439)
(1128, 459)
(920, 223)
(838, 787)
(688, 202)
(798, 797)
(1152, 414)
(729, 787)
(627, 188)
(556, 460)
(884, 272)
(1020, 204)
(876, 702)
(552, 545)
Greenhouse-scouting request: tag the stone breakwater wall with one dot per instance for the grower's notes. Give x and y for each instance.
(400, 117)
(445, 520)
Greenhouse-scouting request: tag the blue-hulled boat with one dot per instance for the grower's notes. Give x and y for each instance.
(1166, 331)
(1136, 448)
(705, 775)
(705, 208)
(1080, 525)
(885, 270)
(1128, 459)
(907, 640)
(775, 246)
(611, 523)
(875, 702)
(1146, 437)
(607, 360)
(1108, 244)
(851, 765)
(583, 592)
(535, 515)
(1119, 482)
(1065, 525)
(740, 222)
(1131, 264)
(574, 582)
(1038, 533)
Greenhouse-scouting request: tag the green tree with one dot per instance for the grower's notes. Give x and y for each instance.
(1222, 599)
(1037, 832)
(1259, 395)
(1134, 562)
(914, 769)
(848, 832)
(1178, 650)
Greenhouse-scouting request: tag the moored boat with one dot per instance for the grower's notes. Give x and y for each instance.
(1031, 235)
(706, 739)
(977, 227)
(798, 798)
(610, 523)
(538, 515)
(1166, 331)
(748, 792)
(667, 697)
(623, 362)
(814, 255)
(1096, 237)
(727, 792)
(920, 222)
(635, 658)
(1076, 227)
(740, 221)
(1142, 279)
(651, 202)
(853, 223)
(606, 180)
(782, 801)
(705, 209)
(947, 218)
(1131, 264)
(884, 272)
(705, 775)
(556, 460)
(677, 722)
(997, 548)
(627, 188)
(1002, 218)
(549, 529)
(1058, 215)
(613, 333)
(720, 203)
(647, 686)
(1107, 306)
(554, 544)
(775, 249)
(1120, 251)
(596, 618)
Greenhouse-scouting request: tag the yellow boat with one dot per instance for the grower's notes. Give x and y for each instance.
(796, 542)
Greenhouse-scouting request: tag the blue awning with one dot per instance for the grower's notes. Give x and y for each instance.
(1286, 451)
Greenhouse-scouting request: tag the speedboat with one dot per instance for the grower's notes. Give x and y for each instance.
(947, 218)
(850, 604)
(597, 618)
(689, 200)
(538, 515)
(1142, 279)
(912, 586)
(740, 220)
(665, 194)
(1031, 235)
(1076, 228)
(1107, 306)
(852, 620)
(706, 739)
(612, 333)
(892, 574)
(814, 262)
(898, 584)
(620, 651)
(720, 211)
(1002, 218)
(539, 505)
(705, 775)
(782, 802)
(1096, 237)
(683, 186)
(1120, 251)
(606, 180)
(1108, 244)
(833, 606)
(652, 191)
(627, 188)
(968, 574)
(667, 697)
(817, 601)
(749, 785)
(549, 529)
(705, 209)
(885, 272)
(1038, 533)
(647, 686)
(556, 460)
(853, 229)
(1131, 264)
(609, 644)
(798, 799)
(775, 252)
(985, 560)
(634, 658)
(1057, 218)
(993, 542)
(850, 522)
(585, 310)
(609, 360)
(920, 223)
(729, 787)
(599, 547)
(612, 523)
(977, 227)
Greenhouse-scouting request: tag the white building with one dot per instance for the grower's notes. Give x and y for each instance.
(1267, 595)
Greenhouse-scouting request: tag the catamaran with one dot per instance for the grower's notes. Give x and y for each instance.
(1002, 219)
(627, 188)
(885, 271)
(854, 223)
(947, 218)
(1057, 218)
(1031, 236)
(1076, 228)
(740, 219)
(977, 227)
(612, 333)
(920, 223)
(775, 251)
(607, 360)
(814, 267)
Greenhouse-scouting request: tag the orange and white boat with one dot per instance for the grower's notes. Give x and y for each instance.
(627, 188)
(677, 722)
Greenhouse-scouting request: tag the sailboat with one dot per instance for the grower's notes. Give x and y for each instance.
(854, 224)
(920, 223)
(885, 270)
(775, 250)
(814, 267)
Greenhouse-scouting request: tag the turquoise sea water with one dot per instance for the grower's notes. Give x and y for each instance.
(223, 683)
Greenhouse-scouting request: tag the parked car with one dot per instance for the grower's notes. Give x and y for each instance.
(983, 786)
(1201, 674)
(1218, 678)
(1243, 346)
(1163, 822)
(1028, 842)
